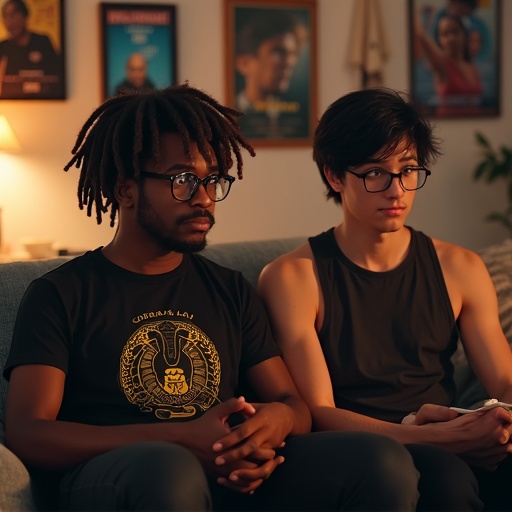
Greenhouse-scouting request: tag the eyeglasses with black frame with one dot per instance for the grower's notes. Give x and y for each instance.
(378, 180)
(185, 185)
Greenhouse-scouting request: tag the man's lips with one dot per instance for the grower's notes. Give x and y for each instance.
(393, 210)
(202, 221)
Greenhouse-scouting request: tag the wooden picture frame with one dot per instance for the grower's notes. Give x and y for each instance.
(271, 70)
(451, 79)
(34, 69)
(138, 46)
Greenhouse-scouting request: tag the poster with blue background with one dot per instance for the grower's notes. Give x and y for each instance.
(139, 47)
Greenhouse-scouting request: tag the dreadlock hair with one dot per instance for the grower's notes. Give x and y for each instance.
(123, 133)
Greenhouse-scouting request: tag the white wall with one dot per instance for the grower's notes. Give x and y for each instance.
(281, 194)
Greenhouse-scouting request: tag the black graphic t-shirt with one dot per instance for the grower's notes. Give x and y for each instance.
(141, 348)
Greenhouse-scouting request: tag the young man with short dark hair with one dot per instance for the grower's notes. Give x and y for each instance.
(368, 313)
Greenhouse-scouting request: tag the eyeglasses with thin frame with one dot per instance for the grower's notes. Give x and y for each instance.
(185, 185)
(378, 180)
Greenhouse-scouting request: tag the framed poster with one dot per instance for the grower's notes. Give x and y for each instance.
(139, 47)
(455, 49)
(32, 61)
(271, 71)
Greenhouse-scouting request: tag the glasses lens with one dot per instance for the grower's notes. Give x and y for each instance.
(377, 180)
(184, 186)
(412, 179)
(217, 188)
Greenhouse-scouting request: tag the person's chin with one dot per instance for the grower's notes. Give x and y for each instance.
(189, 247)
(195, 242)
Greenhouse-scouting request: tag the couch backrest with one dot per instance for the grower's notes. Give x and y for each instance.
(248, 257)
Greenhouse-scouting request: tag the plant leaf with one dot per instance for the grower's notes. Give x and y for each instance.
(482, 140)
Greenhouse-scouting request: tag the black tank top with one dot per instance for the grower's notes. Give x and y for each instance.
(387, 336)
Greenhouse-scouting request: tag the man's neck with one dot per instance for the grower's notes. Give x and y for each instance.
(141, 260)
(372, 250)
(23, 39)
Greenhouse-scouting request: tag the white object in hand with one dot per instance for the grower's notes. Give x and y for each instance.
(491, 403)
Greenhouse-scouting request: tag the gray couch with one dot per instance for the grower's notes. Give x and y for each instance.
(249, 258)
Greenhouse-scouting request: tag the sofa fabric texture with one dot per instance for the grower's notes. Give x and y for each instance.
(249, 258)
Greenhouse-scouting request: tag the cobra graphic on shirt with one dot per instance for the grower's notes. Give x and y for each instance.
(170, 368)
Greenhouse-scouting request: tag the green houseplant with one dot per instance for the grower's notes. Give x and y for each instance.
(496, 164)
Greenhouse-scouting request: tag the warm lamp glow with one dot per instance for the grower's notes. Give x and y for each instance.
(8, 141)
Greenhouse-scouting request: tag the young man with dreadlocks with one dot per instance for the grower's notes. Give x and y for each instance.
(369, 313)
(125, 362)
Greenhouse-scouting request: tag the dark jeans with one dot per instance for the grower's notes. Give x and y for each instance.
(322, 471)
(495, 485)
(446, 481)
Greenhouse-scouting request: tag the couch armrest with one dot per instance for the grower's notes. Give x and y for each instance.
(16, 494)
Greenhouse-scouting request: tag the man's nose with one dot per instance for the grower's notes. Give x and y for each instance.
(201, 196)
(396, 188)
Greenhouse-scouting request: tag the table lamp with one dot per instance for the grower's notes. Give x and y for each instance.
(8, 142)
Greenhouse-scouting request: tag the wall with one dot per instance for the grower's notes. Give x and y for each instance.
(281, 194)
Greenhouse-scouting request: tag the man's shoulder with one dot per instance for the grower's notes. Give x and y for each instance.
(75, 266)
(453, 256)
(39, 39)
(293, 265)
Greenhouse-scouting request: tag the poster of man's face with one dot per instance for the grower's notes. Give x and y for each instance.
(271, 69)
(139, 47)
(32, 49)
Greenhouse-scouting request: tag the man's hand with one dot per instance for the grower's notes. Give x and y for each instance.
(213, 425)
(431, 413)
(482, 438)
(255, 441)
(248, 479)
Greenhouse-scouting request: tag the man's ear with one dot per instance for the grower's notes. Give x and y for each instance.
(243, 63)
(333, 179)
(126, 192)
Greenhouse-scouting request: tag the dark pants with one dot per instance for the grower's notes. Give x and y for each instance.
(446, 481)
(322, 471)
(495, 485)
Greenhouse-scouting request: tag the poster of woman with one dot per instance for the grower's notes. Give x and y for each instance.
(271, 69)
(32, 49)
(455, 56)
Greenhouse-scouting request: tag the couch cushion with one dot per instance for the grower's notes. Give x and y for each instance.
(15, 494)
(498, 260)
(14, 279)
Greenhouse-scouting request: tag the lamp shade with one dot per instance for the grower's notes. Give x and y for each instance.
(8, 141)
